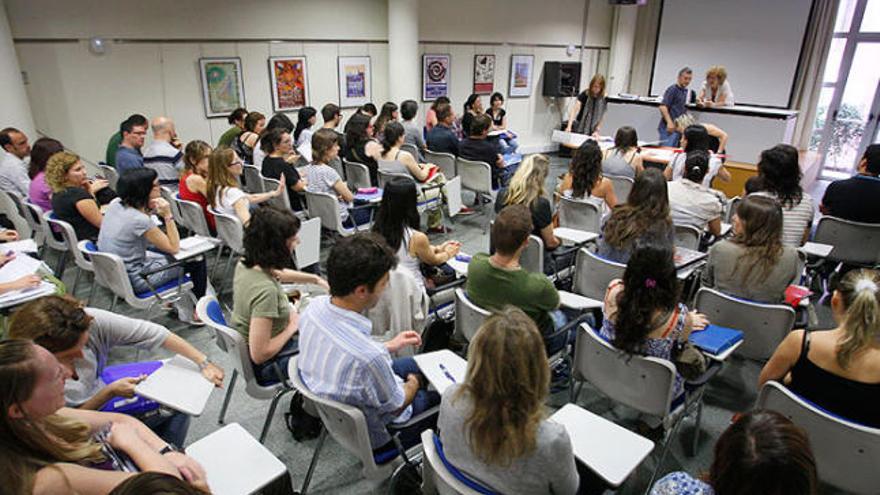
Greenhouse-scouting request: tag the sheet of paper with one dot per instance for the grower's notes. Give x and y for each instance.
(817, 249)
(22, 246)
(194, 246)
(574, 235)
(577, 301)
(18, 267)
(442, 368)
(21, 296)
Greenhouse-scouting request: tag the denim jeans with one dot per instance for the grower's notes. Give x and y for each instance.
(197, 270)
(668, 138)
(171, 428)
(359, 217)
(423, 401)
(266, 373)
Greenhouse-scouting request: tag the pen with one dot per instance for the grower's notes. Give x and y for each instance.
(447, 373)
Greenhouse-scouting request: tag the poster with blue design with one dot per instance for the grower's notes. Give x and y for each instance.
(222, 86)
(435, 76)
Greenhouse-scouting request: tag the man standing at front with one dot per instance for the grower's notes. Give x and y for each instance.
(134, 132)
(339, 360)
(673, 106)
(13, 169)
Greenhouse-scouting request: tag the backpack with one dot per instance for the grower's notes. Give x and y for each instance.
(302, 425)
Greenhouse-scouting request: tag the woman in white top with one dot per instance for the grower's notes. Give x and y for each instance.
(691, 202)
(696, 138)
(224, 194)
(716, 91)
(305, 120)
(779, 177)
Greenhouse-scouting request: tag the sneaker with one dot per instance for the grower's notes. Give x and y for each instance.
(466, 211)
(439, 230)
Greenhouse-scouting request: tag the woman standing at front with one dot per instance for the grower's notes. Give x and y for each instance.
(590, 108)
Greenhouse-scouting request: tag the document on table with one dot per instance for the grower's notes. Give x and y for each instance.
(18, 267)
(22, 246)
(574, 235)
(817, 249)
(178, 384)
(442, 368)
(20, 296)
(577, 301)
(460, 264)
(194, 246)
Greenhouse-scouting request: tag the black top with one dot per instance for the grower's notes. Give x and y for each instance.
(542, 212)
(855, 401)
(64, 207)
(856, 199)
(357, 152)
(466, 120)
(441, 139)
(341, 137)
(481, 150)
(273, 167)
(499, 119)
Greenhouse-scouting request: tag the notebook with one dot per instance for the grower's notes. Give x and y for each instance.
(715, 339)
(684, 257)
(136, 404)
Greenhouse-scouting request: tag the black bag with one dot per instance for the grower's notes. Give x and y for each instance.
(438, 335)
(689, 361)
(302, 425)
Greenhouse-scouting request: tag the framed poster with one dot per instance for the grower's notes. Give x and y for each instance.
(521, 74)
(355, 80)
(222, 87)
(289, 82)
(435, 76)
(484, 74)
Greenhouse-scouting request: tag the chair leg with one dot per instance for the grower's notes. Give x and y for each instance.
(216, 261)
(697, 429)
(76, 280)
(62, 262)
(91, 292)
(227, 397)
(113, 304)
(278, 395)
(665, 450)
(314, 462)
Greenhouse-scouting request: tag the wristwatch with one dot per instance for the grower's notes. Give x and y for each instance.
(204, 364)
(168, 448)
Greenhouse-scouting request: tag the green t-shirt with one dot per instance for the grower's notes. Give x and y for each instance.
(229, 136)
(112, 146)
(257, 295)
(491, 288)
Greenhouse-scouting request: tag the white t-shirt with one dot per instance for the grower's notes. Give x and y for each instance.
(226, 199)
(259, 155)
(321, 178)
(679, 159)
(724, 89)
(693, 204)
(795, 219)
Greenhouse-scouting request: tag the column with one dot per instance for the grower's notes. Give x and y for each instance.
(15, 110)
(404, 71)
(623, 39)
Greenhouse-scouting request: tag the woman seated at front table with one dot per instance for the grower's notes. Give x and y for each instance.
(193, 183)
(397, 221)
(837, 369)
(624, 158)
(73, 197)
(50, 449)
(715, 91)
(753, 264)
(321, 177)
(261, 311)
(692, 203)
(277, 143)
(696, 138)
(584, 178)
(223, 191)
(492, 425)
(128, 231)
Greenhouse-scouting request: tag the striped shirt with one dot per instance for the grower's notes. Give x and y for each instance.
(795, 219)
(340, 361)
(165, 159)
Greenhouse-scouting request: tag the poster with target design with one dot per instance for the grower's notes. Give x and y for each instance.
(435, 76)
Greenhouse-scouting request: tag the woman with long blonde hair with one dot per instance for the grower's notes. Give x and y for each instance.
(46, 448)
(224, 190)
(838, 369)
(589, 107)
(492, 426)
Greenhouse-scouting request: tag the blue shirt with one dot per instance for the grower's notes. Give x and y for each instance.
(340, 361)
(675, 98)
(441, 139)
(128, 158)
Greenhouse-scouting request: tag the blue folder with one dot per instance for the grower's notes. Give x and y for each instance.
(714, 339)
(137, 404)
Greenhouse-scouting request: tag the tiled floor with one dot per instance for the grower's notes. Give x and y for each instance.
(339, 473)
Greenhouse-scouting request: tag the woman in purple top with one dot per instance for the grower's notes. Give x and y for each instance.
(40, 193)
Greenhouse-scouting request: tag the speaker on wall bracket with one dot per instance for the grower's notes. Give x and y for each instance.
(561, 78)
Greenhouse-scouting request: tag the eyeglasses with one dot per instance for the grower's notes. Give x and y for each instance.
(237, 162)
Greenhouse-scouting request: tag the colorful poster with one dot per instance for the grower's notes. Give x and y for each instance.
(435, 76)
(222, 88)
(521, 74)
(484, 74)
(354, 81)
(289, 83)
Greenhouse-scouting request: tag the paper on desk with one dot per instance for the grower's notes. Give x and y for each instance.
(22, 246)
(305, 150)
(178, 384)
(18, 267)
(817, 249)
(442, 368)
(192, 246)
(19, 296)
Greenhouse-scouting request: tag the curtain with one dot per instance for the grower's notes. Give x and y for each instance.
(808, 84)
(647, 25)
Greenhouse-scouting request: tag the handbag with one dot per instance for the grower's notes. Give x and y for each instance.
(689, 361)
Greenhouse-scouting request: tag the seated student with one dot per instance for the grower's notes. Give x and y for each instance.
(236, 120)
(74, 195)
(39, 192)
(388, 114)
(116, 139)
(50, 449)
(321, 177)
(261, 312)
(338, 359)
(362, 147)
(82, 338)
(163, 154)
(642, 312)
(856, 198)
(492, 426)
(412, 131)
(497, 280)
(431, 115)
(696, 138)
(473, 106)
(779, 177)
(244, 145)
(761, 452)
(332, 115)
(278, 121)
(692, 203)
(753, 264)
(128, 155)
(498, 115)
(193, 184)
(397, 221)
(624, 158)
(223, 190)
(584, 178)
(128, 230)
(278, 146)
(837, 369)
(441, 138)
(306, 118)
(478, 147)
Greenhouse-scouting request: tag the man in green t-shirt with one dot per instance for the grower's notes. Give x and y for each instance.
(236, 120)
(497, 280)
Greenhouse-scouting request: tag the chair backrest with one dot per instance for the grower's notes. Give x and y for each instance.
(412, 150)
(846, 453)
(110, 174)
(622, 186)
(12, 205)
(644, 383)
(110, 272)
(169, 195)
(453, 195)
(732, 205)
(336, 164)
(386, 177)
(579, 214)
(475, 176)
(854, 242)
(446, 162)
(229, 230)
(253, 179)
(308, 251)
(357, 174)
(325, 207)
(281, 202)
(436, 479)
(592, 274)
(41, 232)
(468, 316)
(687, 236)
(193, 217)
(532, 258)
(69, 236)
(764, 325)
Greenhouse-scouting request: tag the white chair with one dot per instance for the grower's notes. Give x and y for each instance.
(32, 214)
(308, 251)
(477, 177)
(846, 453)
(855, 243)
(412, 150)
(423, 203)
(335, 164)
(169, 195)
(12, 205)
(41, 228)
(357, 175)
(281, 202)
(231, 232)
(253, 179)
(233, 344)
(687, 236)
(192, 216)
(468, 316)
(325, 207)
(83, 264)
(436, 478)
(579, 214)
(446, 162)
(764, 325)
(622, 186)
(592, 274)
(386, 177)
(110, 174)
(730, 210)
(644, 383)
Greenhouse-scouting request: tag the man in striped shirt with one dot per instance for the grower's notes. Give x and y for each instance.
(338, 358)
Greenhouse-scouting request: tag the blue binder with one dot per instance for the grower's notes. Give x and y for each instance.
(714, 339)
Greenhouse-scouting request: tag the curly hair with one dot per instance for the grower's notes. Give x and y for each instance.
(585, 169)
(54, 322)
(265, 238)
(646, 208)
(57, 167)
(780, 174)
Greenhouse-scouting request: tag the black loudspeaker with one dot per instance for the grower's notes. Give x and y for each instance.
(562, 78)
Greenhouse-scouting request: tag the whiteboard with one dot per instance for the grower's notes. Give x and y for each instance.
(758, 41)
